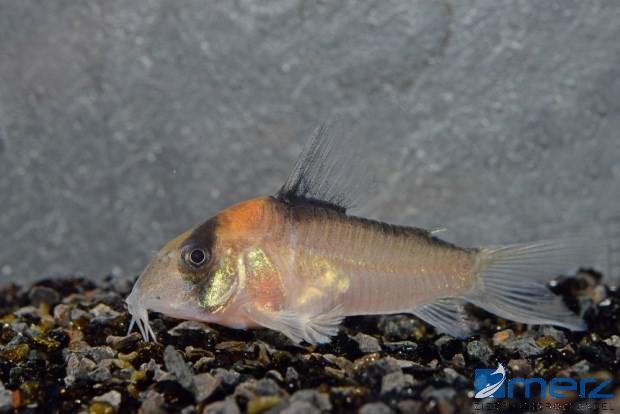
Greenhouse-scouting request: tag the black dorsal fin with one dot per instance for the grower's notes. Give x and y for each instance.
(326, 173)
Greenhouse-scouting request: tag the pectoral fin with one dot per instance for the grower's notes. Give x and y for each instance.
(447, 315)
(314, 329)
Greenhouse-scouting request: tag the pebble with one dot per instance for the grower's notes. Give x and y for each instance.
(568, 351)
(205, 386)
(103, 314)
(186, 327)
(406, 346)
(176, 364)
(448, 346)
(100, 374)
(395, 382)
(381, 365)
(397, 327)
(599, 351)
(43, 294)
(152, 403)
(125, 373)
(121, 343)
(458, 360)
(299, 407)
(525, 346)
(598, 294)
(291, 375)
(20, 328)
(227, 377)
(439, 394)
(274, 374)
(554, 333)
(376, 408)
(78, 368)
(231, 346)
(580, 368)
(367, 344)
(519, 367)
(204, 363)
(97, 353)
(479, 350)
(77, 313)
(188, 410)
(6, 404)
(252, 389)
(112, 398)
(370, 372)
(27, 312)
(315, 398)
(228, 406)
(502, 337)
(349, 394)
(154, 369)
(192, 352)
(614, 341)
(443, 340)
(454, 378)
(409, 406)
(344, 364)
(267, 386)
(259, 405)
(62, 314)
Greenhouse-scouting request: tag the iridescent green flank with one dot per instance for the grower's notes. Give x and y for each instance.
(262, 279)
(217, 291)
(231, 269)
(258, 261)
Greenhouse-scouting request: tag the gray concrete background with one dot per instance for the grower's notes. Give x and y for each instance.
(123, 123)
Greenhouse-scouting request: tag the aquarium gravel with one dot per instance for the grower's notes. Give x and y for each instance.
(64, 348)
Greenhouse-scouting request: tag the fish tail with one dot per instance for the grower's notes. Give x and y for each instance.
(512, 280)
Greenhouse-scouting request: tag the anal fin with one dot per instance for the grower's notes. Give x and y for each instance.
(297, 326)
(446, 315)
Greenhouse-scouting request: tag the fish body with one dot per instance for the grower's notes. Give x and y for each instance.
(297, 262)
(318, 258)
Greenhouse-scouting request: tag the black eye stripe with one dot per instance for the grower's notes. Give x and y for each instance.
(202, 238)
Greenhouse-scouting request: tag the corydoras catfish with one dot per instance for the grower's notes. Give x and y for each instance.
(298, 263)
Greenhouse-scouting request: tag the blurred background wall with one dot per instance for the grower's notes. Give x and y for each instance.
(124, 123)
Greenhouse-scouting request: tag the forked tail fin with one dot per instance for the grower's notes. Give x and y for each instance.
(512, 280)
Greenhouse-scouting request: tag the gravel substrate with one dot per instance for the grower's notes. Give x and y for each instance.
(64, 348)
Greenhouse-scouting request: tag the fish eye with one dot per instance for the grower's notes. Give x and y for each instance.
(196, 256)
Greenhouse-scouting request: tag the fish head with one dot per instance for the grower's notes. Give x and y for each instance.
(197, 275)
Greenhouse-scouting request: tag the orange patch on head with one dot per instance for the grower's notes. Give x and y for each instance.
(245, 216)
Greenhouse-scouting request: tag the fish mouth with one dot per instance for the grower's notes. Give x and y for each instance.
(139, 316)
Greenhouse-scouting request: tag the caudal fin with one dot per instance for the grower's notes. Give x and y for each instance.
(512, 280)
